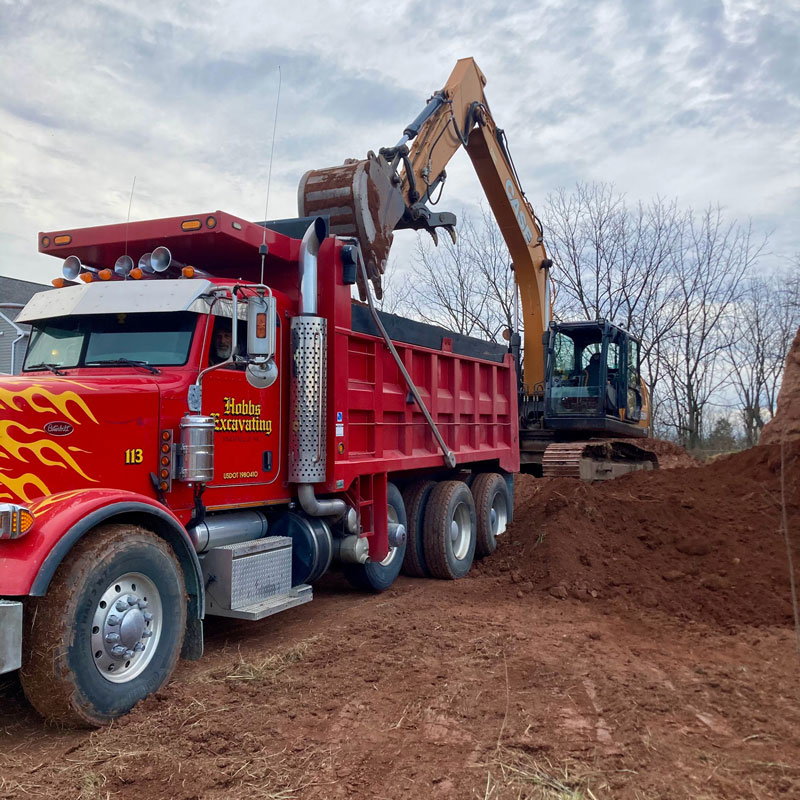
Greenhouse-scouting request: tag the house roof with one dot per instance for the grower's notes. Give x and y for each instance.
(16, 291)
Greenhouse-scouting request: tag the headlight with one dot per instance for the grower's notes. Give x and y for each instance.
(15, 521)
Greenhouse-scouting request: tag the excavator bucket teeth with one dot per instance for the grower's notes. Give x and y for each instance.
(596, 460)
(362, 199)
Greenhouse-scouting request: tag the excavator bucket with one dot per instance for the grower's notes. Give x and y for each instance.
(362, 199)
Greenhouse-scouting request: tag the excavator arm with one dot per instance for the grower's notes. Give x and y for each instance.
(370, 199)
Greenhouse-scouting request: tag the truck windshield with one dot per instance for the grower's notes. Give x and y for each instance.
(161, 339)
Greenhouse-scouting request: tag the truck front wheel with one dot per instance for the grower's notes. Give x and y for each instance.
(109, 631)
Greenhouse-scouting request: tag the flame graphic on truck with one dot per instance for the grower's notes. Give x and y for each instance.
(20, 444)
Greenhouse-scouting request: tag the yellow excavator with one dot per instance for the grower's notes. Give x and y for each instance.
(582, 400)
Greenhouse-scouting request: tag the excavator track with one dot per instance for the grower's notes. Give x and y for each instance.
(596, 459)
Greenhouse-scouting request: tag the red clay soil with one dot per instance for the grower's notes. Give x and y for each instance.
(786, 424)
(697, 543)
(632, 639)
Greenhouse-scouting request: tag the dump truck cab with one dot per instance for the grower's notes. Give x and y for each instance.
(593, 381)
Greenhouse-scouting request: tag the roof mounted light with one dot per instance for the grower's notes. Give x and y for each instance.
(86, 277)
(136, 273)
(105, 274)
(211, 222)
(65, 238)
(187, 272)
(191, 225)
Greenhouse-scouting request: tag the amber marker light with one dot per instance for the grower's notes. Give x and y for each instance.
(45, 241)
(135, 273)
(187, 272)
(58, 283)
(86, 277)
(163, 486)
(63, 239)
(261, 326)
(211, 222)
(104, 274)
(191, 225)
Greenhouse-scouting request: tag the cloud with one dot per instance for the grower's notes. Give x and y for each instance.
(697, 100)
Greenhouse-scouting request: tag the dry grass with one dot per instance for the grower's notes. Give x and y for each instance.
(514, 775)
(272, 666)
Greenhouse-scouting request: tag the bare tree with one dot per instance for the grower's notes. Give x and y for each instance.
(396, 290)
(764, 324)
(712, 262)
(617, 263)
(468, 286)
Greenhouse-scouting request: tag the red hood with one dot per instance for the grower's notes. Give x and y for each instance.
(58, 434)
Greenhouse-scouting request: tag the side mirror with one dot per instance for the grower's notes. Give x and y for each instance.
(262, 313)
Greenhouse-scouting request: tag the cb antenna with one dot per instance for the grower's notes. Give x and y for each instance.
(128, 221)
(263, 249)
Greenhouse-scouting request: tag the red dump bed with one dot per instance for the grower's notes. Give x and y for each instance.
(469, 387)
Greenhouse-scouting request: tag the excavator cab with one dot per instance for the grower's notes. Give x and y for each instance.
(593, 380)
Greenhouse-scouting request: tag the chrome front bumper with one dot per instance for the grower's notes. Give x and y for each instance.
(10, 635)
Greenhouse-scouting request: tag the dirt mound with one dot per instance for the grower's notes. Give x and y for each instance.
(786, 424)
(703, 543)
(670, 455)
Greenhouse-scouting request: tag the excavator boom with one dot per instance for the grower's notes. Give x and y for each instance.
(370, 199)
(562, 399)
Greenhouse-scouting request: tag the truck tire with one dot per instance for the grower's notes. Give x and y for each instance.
(415, 497)
(378, 576)
(120, 587)
(492, 506)
(450, 530)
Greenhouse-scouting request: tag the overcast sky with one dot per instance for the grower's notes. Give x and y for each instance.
(693, 99)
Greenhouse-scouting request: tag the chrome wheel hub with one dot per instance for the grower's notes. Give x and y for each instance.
(391, 518)
(461, 531)
(126, 627)
(499, 514)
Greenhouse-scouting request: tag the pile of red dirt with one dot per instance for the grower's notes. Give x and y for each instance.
(702, 543)
(670, 455)
(786, 423)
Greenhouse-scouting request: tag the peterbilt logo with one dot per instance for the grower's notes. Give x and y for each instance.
(58, 428)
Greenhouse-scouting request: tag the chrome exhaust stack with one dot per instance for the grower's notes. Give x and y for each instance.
(309, 387)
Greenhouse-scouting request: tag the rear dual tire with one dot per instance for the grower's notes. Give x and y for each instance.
(450, 529)
(378, 576)
(493, 508)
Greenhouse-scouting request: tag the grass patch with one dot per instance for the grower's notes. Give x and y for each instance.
(517, 775)
(272, 666)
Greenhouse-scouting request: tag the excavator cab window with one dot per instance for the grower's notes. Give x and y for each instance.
(575, 371)
(592, 372)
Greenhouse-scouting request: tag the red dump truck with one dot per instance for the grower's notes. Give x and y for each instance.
(209, 430)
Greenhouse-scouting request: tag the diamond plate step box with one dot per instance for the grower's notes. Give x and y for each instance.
(241, 575)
